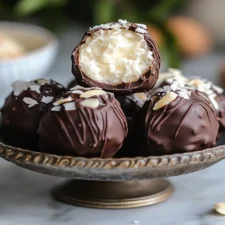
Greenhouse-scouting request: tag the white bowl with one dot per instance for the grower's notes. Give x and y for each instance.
(42, 48)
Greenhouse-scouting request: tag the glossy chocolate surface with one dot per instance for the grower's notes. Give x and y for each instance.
(183, 125)
(80, 130)
(146, 81)
(22, 111)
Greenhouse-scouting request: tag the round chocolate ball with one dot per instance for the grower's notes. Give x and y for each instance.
(119, 57)
(131, 106)
(178, 119)
(23, 108)
(83, 122)
(214, 94)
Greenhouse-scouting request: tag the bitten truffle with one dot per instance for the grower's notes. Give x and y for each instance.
(178, 119)
(119, 57)
(83, 122)
(23, 108)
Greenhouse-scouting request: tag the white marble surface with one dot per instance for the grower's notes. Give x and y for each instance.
(25, 196)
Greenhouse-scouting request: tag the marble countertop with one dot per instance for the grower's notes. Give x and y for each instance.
(25, 196)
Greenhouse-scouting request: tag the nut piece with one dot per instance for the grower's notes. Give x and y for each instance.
(91, 103)
(30, 102)
(91, 93)
(62, 100)
(141, 96)
(220, 208)
(195, 83)
(165, 100)
(42, 82)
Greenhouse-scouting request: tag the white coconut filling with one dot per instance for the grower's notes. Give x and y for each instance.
(115, 56)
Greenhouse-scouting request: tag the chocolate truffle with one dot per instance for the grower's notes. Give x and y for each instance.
(72, 84)
(83, 122)
(166, 78)
(119, 57)
(23, 108)
(214, 94)
(132, 104)
(178, 119)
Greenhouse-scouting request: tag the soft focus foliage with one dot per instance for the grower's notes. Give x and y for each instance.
(53, 13)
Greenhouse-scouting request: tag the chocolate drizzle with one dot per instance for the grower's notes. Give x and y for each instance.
(84, 131)
(181, 126)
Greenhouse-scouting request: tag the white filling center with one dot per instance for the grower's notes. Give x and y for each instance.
(115, 56)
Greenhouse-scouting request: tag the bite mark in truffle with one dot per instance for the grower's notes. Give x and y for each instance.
(119, 57)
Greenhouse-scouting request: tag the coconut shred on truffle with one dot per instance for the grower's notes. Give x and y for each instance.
(214, 94)
(178, 119)
(83, 122)
(166, 78)
(120, 57)
(23, 108)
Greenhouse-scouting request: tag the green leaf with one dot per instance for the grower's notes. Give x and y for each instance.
(27, 7)
(170, 50)
(163, 9)
(103, 11)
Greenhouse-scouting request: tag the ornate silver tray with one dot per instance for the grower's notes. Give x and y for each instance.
(114, 182)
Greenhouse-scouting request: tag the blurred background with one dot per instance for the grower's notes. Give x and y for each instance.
(189, 33)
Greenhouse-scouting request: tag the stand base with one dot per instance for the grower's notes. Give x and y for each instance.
(114, 194)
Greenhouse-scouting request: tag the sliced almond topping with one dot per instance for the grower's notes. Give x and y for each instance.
(62, 100)
(42, 82)
(91, 103)
(220, 208)
(195, 83)
(140, 96)
(30, 102)
(91, 93)
(56, 108)
(165, 100)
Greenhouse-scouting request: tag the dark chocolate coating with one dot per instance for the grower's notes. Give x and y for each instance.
(127, 104)
(84, 131)
(146, 81)
(72, 84)
(184, 125)
(131, 108)
(220, 99)
(19, 123)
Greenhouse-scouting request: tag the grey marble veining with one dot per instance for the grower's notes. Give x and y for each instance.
(25, 197)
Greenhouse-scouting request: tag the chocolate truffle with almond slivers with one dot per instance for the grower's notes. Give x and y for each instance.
(214, 94)
(23, 109)
(167, 77)
(120, 57)
(178, 119)
(85, 122)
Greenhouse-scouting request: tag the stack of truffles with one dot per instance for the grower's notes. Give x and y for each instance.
(119, 99)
